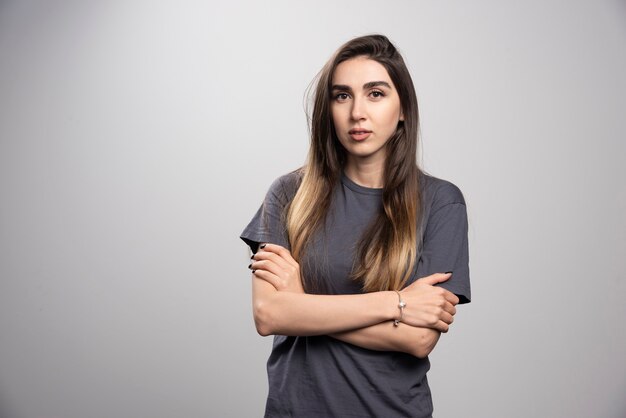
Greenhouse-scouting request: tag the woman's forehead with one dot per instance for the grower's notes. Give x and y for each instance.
(358, 71)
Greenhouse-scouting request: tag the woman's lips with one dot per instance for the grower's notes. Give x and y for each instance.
(359, 134)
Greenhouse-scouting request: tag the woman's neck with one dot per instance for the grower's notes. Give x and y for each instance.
(366, 174)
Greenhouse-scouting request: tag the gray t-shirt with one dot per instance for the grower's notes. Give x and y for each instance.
(324, 377)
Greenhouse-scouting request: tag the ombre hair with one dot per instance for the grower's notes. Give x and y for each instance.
(388, 250)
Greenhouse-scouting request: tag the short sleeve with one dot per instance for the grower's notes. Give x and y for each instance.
(268, 224)
(445, 245)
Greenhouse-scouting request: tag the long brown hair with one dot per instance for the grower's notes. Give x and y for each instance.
(388, 250)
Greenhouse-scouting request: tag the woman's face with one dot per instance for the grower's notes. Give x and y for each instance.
(365, 107)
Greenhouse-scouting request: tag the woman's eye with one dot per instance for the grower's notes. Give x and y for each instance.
(341, 96)
(376, 94)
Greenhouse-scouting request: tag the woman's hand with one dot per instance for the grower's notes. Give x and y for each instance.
(275, 265)
(429, 306)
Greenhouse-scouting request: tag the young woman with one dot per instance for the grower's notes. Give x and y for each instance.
(359, 257)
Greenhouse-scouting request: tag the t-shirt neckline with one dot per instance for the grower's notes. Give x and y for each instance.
(358, 188)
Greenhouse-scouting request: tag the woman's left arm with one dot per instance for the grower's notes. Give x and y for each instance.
(417, 341)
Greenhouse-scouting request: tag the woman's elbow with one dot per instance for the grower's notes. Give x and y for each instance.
(421, 351)
(262, 317)
(425, 343)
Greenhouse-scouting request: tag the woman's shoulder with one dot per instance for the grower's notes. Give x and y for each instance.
(289, 180)
(284, 187)
(438, 192)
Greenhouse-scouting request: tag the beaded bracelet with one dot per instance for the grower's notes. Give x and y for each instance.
(401, 305)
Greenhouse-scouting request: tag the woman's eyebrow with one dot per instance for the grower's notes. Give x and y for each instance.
(373, 84)
(341, 87)
(366, 86)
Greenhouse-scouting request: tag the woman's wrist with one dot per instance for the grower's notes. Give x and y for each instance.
(391, 304)
(401, 305)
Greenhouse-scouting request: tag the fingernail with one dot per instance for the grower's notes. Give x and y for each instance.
(262, 246)
(252, 257)
(249, 266)
(253, 271)
(448, 272)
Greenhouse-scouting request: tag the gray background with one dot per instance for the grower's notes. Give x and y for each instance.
(138, 138)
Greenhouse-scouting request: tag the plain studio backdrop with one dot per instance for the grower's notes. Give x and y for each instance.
(138, 138)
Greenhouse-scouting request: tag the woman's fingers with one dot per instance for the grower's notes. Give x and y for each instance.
(433, 279)
(440, 322)
(267, 265)
(442, 326)
(275, 264)
(446, 295)
(446, 317)
(439, 315)
(429, 306)
(281, 251)
(277, 260)
(431, 320)
(268, 277)
(273, 257)
(437, 278)
(280, 278)
(451, 297)
(265, 259)
(448, 307)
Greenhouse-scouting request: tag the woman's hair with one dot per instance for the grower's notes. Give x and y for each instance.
(388, 249)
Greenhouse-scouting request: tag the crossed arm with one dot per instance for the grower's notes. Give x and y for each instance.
(281, 306)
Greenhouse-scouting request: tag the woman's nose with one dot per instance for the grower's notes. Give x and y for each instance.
(358, 109)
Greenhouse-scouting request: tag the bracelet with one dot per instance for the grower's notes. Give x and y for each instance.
(401, 305)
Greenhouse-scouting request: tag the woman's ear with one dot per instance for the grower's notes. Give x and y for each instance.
(401, 117)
